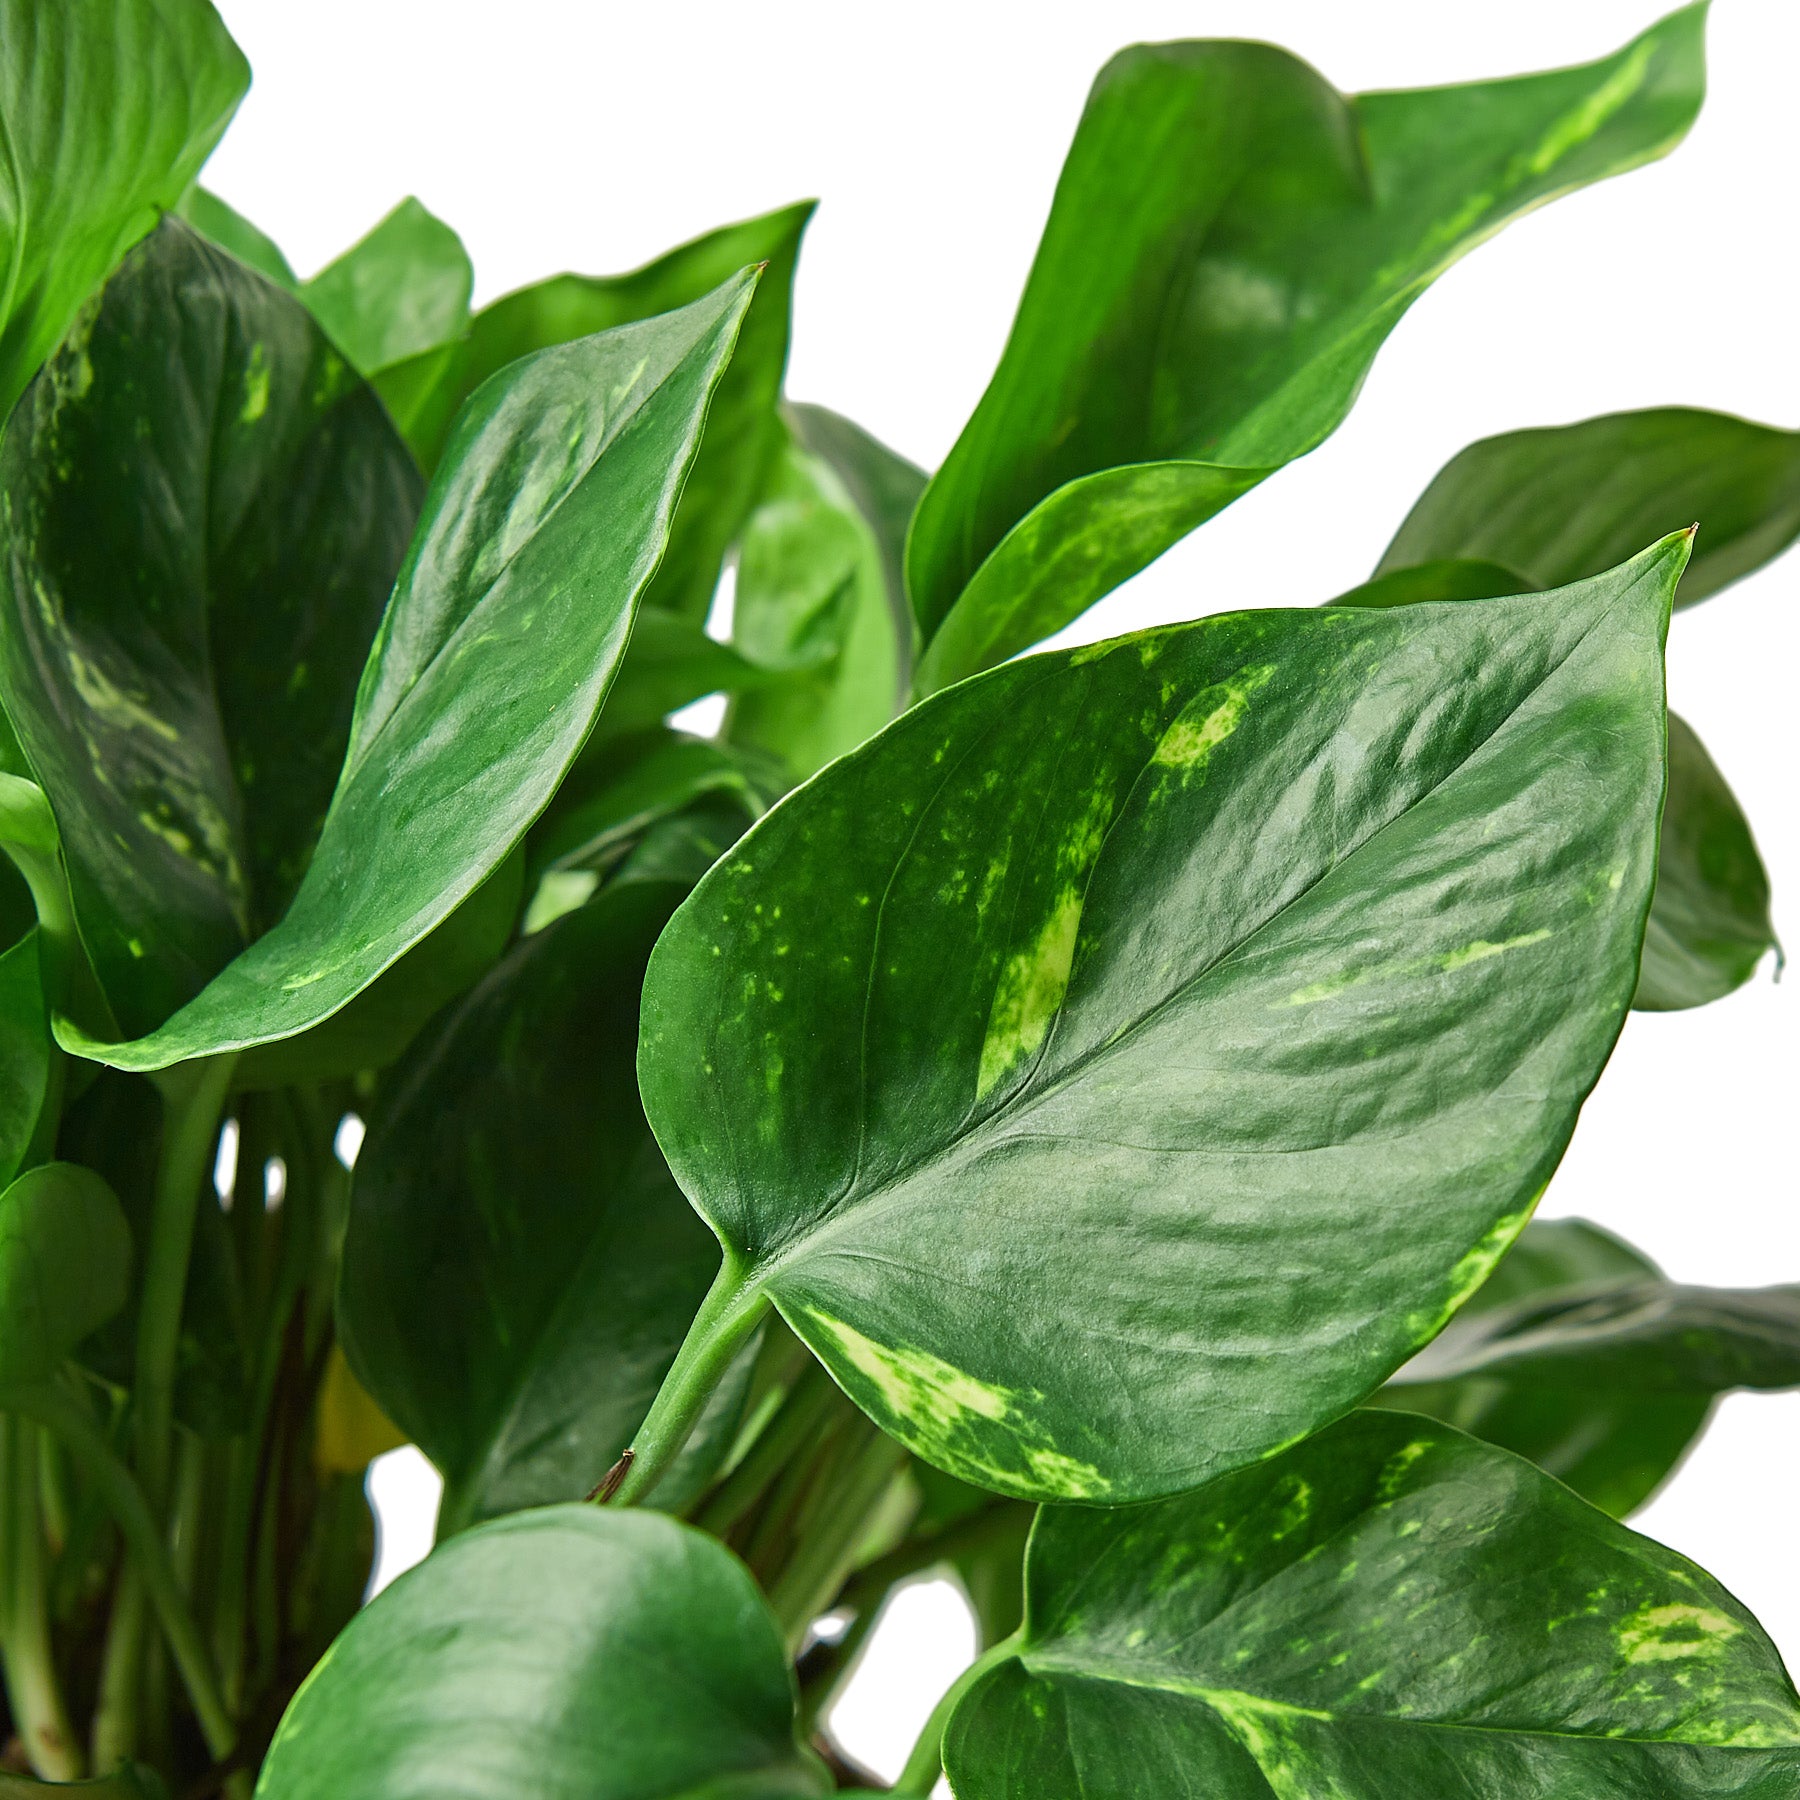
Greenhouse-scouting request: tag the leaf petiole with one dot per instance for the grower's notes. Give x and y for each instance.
(926, 1763)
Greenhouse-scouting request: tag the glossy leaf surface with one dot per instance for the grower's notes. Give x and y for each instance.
(511, 613)
(1230, 242)
(1121, 1064)
(569, 1654)
(107, 112)
(742, 427)
(520, 1267)
(1390, 1608)
(207, 510)
(65, 1267)
(1567, 501)
(402, 289)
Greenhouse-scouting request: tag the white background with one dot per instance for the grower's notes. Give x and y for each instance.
(594, 135)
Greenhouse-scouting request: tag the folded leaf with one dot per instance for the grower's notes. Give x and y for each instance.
(207, 510)
(520, 1267)
(228, 228)
(511, 613)
(65, 1267)
(1389, 1609)
(1571, 500)
(1125, 1061)
(402, 289)
(1230, 243)
(568, 1654)
(108, 111)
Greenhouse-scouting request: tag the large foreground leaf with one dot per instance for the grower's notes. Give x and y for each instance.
(206, 509)
(107, 108)
(511, 613)
(1389, 1609)
(1230, 243)
(568, 1654)
(1120, 1065)
(520, 1267)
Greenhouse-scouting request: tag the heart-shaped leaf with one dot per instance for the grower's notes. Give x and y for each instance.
(402, 289)
(512, 610)
(1389, 1609)
(1603, 1380)
(1124, 1062)
(520, 1267)
(65, 1268)
(1230, 243)
(206, 512)
(107, 114)
(569, 1654)
(1571, 500)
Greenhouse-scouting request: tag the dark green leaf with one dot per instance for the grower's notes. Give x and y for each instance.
(24, 1051)
(422, 394)
(401, 290)
(510, 615)
(567, 1654)
(520, 1268)
(107, 114)
(742, 427)
(1390, 1609)
(207, 509)
(1230, 243)
(65, 1268)
(1571, 500)
(1125, 1061)
(817, 605)
(671, 664)
(1710, 925)
(230, 230)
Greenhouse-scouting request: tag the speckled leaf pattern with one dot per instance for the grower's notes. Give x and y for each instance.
(1230, 243)
(1124, 1062)
(512, 609)
(570, 1654)
(205, 508)
(107, 110)
(1567, 501)
(1388, 1609)
(65, 1267)
(520, 1267)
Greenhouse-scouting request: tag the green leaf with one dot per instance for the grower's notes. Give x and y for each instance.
(1571, 500)
(1710, 925)
(568, 1654)
(817, 603)
(402, 289)
(206, 512)
(230, 230)
(65, 1268)
(671, 664)
(510, 615)
(1454, 578)
(742, 427)
(1389, 1609)
(107, 114)
(520, 1267)
(1014, 1055)
(24, 1051)
(1604, 1380)
(1230, 243)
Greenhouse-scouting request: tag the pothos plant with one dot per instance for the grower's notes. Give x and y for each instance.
(1073, 1119)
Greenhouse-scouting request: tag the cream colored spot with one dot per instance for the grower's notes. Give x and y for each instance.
(1031, 988)
(1188, 744)
(1669, 1633)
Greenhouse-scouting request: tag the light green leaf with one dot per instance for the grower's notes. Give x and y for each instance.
(568, 1654)
(511, 613)
(1389, 1609)
(206, 510)
(402, 289)
(107, 113)
(228, 228)
(1124, 1062)
(1230, 243)
(65, 1268)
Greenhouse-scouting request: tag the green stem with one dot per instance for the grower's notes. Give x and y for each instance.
(193, 1097)
(807, 1405)
(39, 1712)
(149, 1555)
(727, 1316)
(114, 1733)
(926, 1763)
